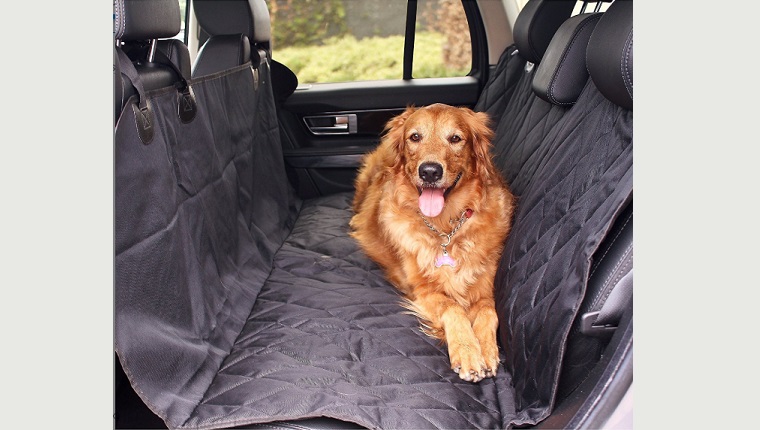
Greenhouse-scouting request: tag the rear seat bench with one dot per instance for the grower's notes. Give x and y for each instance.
(237, 303)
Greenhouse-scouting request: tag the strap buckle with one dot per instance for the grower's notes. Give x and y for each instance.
(590, 328)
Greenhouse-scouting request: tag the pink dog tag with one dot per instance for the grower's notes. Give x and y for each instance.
(445, 260)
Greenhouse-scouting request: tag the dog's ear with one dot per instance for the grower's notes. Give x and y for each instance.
(480, 130)
(394, 136)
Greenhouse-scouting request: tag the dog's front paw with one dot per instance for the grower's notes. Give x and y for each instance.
(467, 361)
(490, 357)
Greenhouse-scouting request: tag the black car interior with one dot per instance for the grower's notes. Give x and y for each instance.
(240, 299)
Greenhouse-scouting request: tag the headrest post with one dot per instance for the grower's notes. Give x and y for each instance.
(583, 8)
(598, 7)
(152, 52)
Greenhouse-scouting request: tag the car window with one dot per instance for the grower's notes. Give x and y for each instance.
(590, 6)
(580, 5)
(442, 46)
(343, 41)
(183, 14)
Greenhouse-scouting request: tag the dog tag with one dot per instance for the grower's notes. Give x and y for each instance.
(445, 260)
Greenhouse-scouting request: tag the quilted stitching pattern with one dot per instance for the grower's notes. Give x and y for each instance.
(563, 214)
(518, 148)
(501, 84)
(193, 247)
(328, 337)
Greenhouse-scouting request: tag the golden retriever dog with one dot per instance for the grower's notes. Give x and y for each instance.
(432, 210)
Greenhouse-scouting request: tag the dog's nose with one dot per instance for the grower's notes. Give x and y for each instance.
(430, 172)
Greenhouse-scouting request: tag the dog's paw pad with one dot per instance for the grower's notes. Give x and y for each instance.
(472, 375)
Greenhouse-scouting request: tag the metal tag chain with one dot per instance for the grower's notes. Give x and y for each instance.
(462, 219)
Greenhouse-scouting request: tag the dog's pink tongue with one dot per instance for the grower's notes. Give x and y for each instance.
(431, 201)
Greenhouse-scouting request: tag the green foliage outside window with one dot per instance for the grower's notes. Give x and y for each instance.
(356, 40)
(347, 59)
(306, 22)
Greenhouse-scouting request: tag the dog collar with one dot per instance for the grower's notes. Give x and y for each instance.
(445, 259)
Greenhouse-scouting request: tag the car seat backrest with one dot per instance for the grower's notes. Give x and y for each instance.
(541, 96)
(223, 51)
(175, 52)
(534, 29)
(240, 35)
(145, 63)
(609, 288)
(575, 184)
(239, 32)
(139, 22)
(157, 63)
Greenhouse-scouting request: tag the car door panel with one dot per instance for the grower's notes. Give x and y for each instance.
(328, 128)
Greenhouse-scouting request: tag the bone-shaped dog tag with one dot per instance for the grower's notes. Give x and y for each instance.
(445, 260)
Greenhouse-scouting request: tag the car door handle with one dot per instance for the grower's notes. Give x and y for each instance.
(331, 124)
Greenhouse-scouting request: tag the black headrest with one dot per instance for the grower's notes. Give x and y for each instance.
(248, 17)
(562, 74)
(141, 19)
(537, 23)
(177, 53)
(222, 52)
(609, 56)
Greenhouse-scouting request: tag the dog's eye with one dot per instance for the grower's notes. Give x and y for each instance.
(415, 137)
(455, 139)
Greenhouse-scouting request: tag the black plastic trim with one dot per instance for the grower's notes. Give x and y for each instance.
(409, 32)
(383, 94)
(591, 404)
(479, 43)
(312, 158)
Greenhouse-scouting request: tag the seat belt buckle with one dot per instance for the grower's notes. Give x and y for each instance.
(590, 328)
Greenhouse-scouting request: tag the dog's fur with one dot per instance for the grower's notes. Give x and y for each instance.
(454, 304)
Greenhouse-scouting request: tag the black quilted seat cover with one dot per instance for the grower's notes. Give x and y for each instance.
(578, 184)
(327, 337)
(229, 313)
(236, 303)
(501, 84)
(197, 226)
(521, 120)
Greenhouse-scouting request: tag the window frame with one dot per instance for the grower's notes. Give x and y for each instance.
(478, 41)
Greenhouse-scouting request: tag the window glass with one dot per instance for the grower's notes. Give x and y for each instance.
(182, 14)
(359, 40)
(339, 40)
(442, 45)
(520, 4)
(591, 6)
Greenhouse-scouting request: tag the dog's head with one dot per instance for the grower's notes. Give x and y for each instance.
(437, 147)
